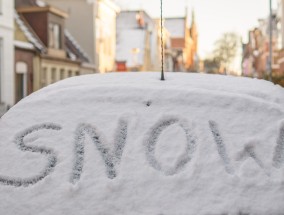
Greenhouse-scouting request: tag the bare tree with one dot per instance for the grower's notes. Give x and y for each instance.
(226, 49)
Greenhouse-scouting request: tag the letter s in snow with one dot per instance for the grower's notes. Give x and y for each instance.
(52, 159)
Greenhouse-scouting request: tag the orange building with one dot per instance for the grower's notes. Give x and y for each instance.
(184, 43)
(193, 45)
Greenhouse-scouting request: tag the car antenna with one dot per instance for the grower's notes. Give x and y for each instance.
(162, 45)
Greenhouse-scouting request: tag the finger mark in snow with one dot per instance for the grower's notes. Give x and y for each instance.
(111, 159)
(278, 158)
(249, 152)
(152, 140)
(221, 147)
(52, 159)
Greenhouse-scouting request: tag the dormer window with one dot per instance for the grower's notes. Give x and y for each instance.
(54, 36)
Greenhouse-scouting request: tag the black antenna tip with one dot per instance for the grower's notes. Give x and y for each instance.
(162, 45)
(162, 76)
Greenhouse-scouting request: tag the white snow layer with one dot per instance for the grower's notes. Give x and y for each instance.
(132, 144)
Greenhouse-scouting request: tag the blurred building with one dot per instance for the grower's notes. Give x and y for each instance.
(93, 25)
(7, 85)
(27, 47)
(134, 39)
(255, 54)
(45, 52)
(256, 51)
(279, 76)
(167, 57)
(193, 61)
(184, 42)
(138, 46)
(280, 24)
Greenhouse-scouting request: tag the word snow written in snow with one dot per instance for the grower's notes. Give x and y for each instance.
(112, 158)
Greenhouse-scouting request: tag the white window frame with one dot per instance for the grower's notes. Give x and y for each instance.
(44, 77)
(54, 34)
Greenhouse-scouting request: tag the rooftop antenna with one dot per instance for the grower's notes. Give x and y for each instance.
(162, 45)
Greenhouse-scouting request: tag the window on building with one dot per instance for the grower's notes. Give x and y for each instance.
(44, 77)
(77, 73)
(53, 75)
(54, 36)
(70, 73)
(21, 80)
(62, 73)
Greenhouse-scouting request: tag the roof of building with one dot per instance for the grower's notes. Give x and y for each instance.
(25, 3)
(74, 49)
(128, 19)
(178, 43)
(35, 9)
(23, 45)
(33, 6)
(29, 33)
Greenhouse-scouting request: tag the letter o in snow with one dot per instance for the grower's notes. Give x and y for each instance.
(152, 140)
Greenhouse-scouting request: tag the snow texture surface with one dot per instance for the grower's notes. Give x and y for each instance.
(132, 144)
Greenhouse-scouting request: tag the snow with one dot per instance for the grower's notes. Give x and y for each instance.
(23, 45)
(132, 144)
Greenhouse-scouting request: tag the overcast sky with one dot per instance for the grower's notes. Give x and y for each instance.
(213, 17)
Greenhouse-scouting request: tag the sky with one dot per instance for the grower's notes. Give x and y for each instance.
(213, 17)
